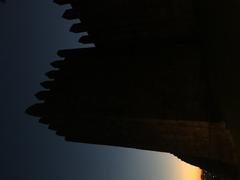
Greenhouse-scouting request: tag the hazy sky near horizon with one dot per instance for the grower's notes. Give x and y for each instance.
(31, 33)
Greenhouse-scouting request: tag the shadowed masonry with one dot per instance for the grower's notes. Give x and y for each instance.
(149, 83)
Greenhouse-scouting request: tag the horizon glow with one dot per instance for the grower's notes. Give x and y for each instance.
(185, 171)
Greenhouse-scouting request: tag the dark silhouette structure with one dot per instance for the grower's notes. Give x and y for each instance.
(147, 83)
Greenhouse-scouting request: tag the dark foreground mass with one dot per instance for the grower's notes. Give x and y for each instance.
(153, 80)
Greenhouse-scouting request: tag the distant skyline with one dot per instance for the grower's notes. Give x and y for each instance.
(31, 33)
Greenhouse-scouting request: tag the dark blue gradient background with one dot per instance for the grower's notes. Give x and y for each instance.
(31, 32)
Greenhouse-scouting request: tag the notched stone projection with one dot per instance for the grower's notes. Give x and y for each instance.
(146, 84)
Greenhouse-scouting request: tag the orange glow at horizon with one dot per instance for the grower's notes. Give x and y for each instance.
(185, 171)
(182, 170)
(190, 172)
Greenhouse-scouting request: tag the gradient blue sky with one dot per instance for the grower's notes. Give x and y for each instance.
(31, 32)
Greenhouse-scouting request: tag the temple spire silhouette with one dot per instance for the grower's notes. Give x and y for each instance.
(146, 83)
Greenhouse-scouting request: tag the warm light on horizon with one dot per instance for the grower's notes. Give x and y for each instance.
(190, 172)
(186, 171)
(169, 167)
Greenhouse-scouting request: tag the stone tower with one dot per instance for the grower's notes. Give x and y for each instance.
(147, 82)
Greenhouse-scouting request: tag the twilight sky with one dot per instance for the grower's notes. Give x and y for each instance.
(31, 32)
